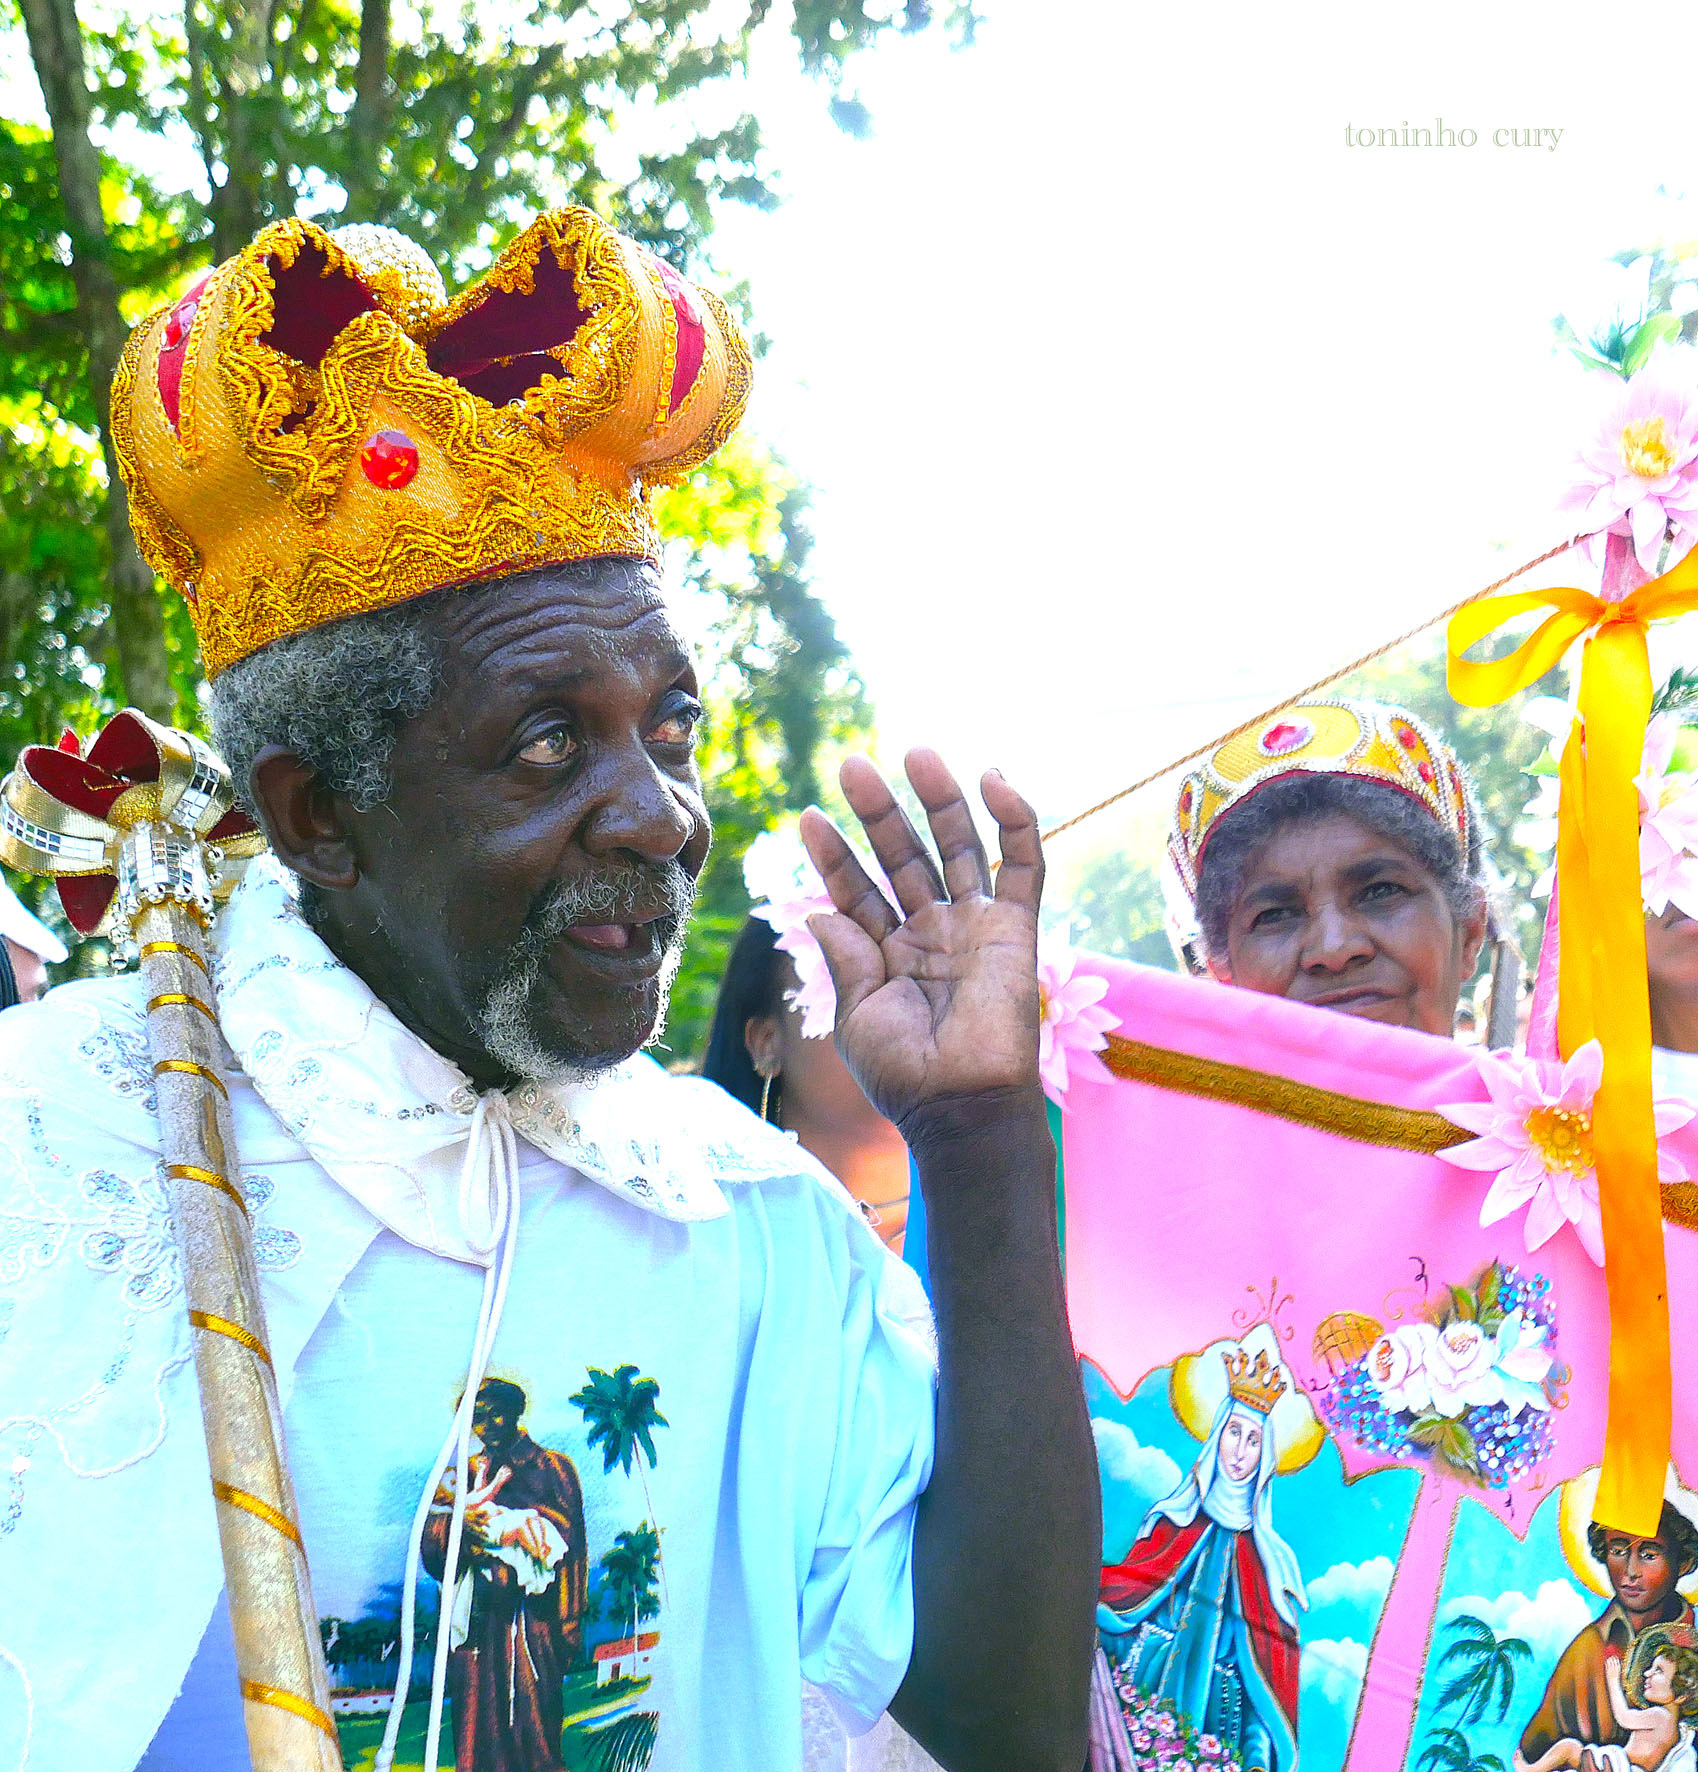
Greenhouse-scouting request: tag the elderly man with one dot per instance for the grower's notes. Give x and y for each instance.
(415, 538)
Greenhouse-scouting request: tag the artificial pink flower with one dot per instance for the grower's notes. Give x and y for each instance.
(1535, 1135)
(1073, 1027)
(1668, 824)
(1639, 471)
(787, 890)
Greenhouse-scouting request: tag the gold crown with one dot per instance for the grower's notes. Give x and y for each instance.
(1330, 737)
(1257, 1387)
(314, 430)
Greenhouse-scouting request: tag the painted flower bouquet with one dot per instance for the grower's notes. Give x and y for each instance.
(1467, 1389)
(1164, 1740)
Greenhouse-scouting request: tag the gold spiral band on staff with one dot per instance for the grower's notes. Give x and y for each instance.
(233, 1331)
(212, 1179)
(275, 1518)
(179, 999)
(189, 1068)
(260, 1693)
(173, 947)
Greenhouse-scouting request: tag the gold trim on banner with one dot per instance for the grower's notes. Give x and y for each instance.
(223, 1326)
(289, 1701)
(1347, 1116)
(1305, 1104)
(193, 1172)
(261, 1510)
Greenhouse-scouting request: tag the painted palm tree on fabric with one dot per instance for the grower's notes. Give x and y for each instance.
(628, 1576)
(1447, 1750)
(1487, 1669)
(619, 1408)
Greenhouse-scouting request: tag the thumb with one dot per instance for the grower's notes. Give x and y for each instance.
(854, 959)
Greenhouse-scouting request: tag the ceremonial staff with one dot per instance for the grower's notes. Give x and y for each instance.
(141, 836)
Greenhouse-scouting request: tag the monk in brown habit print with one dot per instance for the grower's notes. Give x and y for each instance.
(515, 1619)
(1643, 1574)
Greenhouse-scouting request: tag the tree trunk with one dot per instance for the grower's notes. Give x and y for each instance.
(138, 622)
(1391, 1684)
(368, 127)
(238, 205)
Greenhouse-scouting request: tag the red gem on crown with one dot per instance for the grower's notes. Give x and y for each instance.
(178, 322)
(390, 460)
(1187, 798)
(1407, 737)
(1287, 735)
(1427, 772)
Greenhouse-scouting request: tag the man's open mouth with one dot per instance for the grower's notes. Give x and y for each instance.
(642, 938)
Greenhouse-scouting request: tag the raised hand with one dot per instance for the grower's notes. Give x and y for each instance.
(941, 1000)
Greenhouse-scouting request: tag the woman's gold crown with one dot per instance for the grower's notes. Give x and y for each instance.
(315, 429)
(1257, 1386)
(1322, 737)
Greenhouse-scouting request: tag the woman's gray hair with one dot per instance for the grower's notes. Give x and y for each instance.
(333, 695)
(1305, 798)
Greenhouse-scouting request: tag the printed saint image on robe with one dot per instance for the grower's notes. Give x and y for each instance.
(553, 1624)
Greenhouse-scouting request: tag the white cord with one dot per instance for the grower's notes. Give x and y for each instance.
(493, 1238)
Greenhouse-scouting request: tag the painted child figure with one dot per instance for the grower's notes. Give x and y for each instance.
(1664, 1685)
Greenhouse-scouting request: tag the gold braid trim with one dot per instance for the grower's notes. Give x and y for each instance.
(173, 947)
(1346, 1116)
(164, 546)
(260, 1693)
(739, 379)
(215, 1325)
(277, 1520)
(189, 1068)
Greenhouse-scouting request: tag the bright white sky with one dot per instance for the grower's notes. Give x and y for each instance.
(1135, 398)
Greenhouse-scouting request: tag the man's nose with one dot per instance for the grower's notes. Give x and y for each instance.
(637, 809)
(1334, 940)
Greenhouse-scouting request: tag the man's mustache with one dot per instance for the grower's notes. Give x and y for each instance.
(629, 894)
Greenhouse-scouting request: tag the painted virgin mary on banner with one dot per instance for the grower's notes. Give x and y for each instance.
(1200, 1620)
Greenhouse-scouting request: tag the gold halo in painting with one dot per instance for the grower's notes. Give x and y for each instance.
(1579, 1497)
(1198, 1388)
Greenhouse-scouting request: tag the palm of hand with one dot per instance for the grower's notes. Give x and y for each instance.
(940, 1000)
(957, 1010)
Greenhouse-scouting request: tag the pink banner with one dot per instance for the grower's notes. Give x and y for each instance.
(1349, 1437)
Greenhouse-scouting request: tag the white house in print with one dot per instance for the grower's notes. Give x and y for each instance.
(630, 1658)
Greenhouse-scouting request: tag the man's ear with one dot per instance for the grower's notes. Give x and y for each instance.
(304, 822)
(1217, 970)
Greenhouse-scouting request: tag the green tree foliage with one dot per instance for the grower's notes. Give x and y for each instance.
(455, 124)
(781, 692)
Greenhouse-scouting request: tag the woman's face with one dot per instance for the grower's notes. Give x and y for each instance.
(1671, 961)
(1334, 914)
(1241, 1447)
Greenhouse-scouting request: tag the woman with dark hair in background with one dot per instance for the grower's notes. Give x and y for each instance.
(760, 1050)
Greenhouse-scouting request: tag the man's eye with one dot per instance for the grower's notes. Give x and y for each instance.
(677, 725)
(1384, 889)
(553, 746)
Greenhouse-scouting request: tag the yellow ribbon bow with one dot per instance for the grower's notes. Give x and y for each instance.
(1602, 988)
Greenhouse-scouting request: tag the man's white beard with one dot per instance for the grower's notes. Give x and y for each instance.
(510, 1036)
(509, 1024)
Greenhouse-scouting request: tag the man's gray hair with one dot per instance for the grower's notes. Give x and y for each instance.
(334, 696)
(1306, 798)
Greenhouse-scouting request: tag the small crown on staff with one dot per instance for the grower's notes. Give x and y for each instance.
(1257, 1386)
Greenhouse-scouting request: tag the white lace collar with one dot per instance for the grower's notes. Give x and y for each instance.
(388, 1117)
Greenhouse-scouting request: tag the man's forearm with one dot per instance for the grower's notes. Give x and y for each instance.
(1009, 1534)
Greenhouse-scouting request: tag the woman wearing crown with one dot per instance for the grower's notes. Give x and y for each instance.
(1201, 1618)
(1333, 856)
